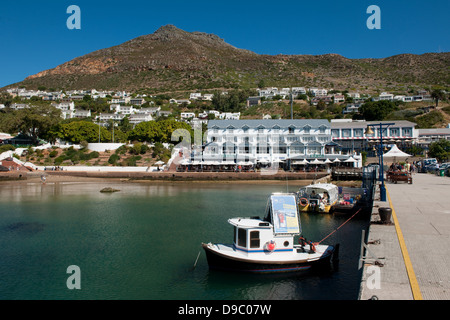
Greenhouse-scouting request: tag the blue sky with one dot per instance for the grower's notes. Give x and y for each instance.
(34, 36)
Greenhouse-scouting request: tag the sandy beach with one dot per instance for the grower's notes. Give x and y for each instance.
(294, 179)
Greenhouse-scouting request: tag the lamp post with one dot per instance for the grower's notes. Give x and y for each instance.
(380, 155)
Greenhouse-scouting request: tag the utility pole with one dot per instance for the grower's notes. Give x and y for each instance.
(292, 107)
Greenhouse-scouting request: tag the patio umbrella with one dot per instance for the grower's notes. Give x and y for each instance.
(327, 161)
(350, 160)
(316, 161)
(336, 160)
(159, 163)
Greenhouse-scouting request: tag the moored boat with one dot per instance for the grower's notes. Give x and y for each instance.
(318, 197)
(267, 245)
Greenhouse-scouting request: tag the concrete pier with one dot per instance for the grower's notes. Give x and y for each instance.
(413, 252)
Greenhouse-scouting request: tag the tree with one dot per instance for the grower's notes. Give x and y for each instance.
(377, 110)
(414, 150)
(157, 131)
(6, 99)
(440, 150)
(261, 83)
(37, 121)
(77, 131)
(437, 94)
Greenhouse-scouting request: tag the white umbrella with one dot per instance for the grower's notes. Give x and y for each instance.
(327, 161)
(304, 161)
(350, 160)
(316, 161)
(185, 162)
(245, 163)
(336, 160)
(159, 163)
(395, 152)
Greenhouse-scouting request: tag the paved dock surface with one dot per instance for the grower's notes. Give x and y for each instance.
(416, 252)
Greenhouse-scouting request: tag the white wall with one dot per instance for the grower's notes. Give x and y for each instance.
(101, 147)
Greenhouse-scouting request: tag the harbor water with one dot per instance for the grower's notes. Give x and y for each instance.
(143, 241)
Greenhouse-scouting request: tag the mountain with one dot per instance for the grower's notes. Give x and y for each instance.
(171, 59)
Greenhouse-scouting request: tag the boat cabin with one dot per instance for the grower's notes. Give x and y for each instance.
(321, 196)
(274, 233)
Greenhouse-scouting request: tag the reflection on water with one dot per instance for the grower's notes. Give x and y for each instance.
(54, 189)
(142, 242)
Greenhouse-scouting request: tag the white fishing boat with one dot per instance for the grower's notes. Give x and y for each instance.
(318, 197)
(267, 245)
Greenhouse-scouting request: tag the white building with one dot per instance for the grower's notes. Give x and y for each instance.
(138, 118)
(384, 96)
(351, 134)
(298, 90)
(208, 97)
(81, 113)
(149, 110)
(117, 108)
(104, 117)
(230, 116)
(195, 96)
(263, 141)
(187, 115)
(428, 136)
(137, 101)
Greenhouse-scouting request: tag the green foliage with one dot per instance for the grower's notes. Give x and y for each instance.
(429, 120)
(377, 110)
(113, 159)
(440, 150)
(121, 150)
(438, 94)
(415, 150)
(161, 153)
(131, 161)
(157, 131)
(234, 101)
(6, 147)
(78, 131)
(74, 155)
(53, 154)
(36, 121)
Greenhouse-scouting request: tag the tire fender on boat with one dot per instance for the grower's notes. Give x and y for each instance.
(270, 246)
(303, 202)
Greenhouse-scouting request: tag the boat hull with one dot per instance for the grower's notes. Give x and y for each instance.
(219, 261)
(309, 208)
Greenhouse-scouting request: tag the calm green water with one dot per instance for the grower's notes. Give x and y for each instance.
(142, 242)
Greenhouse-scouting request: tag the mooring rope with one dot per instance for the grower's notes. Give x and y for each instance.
(340, 226)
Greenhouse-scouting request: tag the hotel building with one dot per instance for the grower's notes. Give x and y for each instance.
(351, 135)
(268, 141)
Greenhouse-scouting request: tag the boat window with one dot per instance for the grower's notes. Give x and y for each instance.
(242, 238)
(234, 235)
(254, 239)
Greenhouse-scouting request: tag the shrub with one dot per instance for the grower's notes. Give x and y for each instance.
(93, 155)
(6, 147)
(59, 160)
(113, 159)
(53, 154)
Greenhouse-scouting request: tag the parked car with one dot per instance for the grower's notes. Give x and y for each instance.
(444, 166)
(432, 168)
(426, 163)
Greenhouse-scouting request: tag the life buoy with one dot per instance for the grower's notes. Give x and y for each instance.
(270, 246)
(303, 202)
